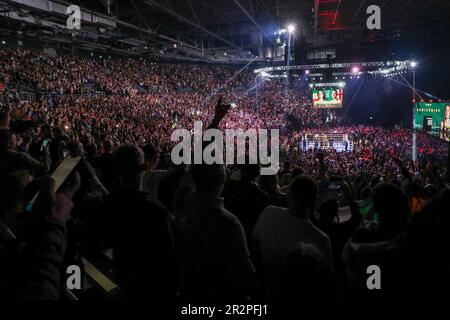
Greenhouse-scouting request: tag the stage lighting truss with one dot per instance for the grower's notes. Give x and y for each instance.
(392, 71)
(385, 68)
(328, 84)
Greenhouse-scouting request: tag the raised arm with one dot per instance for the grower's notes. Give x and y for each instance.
(220, 112)
(45, 248)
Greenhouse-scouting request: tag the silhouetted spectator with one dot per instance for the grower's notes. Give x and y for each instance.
(106, 166)
(382, 244)
(215, 261)
(244, 198)
(269, 184)
(139, 232)
(152, 177)
(428, 242)
(279, 230)
(307, 282)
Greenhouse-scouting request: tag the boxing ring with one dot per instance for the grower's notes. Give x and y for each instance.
(341, 142)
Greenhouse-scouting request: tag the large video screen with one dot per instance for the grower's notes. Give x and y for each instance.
(327, 98)
(433, 118)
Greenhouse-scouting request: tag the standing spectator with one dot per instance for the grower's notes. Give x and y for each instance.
(152, 177)
(383, 244)
(270, 185)
(307, 279)
(106, 166)
(139, 232)
(279, 230)
(244, 198)
(215, 261)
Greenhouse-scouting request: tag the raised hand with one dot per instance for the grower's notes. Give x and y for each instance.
(221, 110)
(57, 205)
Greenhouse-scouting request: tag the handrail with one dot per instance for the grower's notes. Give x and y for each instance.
(96, 275)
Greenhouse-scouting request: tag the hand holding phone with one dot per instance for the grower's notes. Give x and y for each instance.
(57, 204)
(61, 173)
(44, 145)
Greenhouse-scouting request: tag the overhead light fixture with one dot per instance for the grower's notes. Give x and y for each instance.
(291, 28)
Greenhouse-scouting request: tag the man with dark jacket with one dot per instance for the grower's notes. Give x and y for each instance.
(382, 244)
(106, 166)
(245, 199)
(139, 231)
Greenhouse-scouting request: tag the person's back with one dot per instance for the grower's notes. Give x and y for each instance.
(269, 183)
(151, 181)
(245, 199)
(381, 244)
(279, 230)
(140, 234)
(105, 163)
(213, 251)
(277, 233)
(307, 282)
(152, 177)
(215, 261)
(139, 231)
(428, 242)
(56, 145)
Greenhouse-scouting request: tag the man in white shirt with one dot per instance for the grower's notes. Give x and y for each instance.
(280, 230)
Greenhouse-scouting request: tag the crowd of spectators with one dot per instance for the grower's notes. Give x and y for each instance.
(208, 233)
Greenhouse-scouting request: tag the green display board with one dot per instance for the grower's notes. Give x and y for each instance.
(327, 98)
(433, 118)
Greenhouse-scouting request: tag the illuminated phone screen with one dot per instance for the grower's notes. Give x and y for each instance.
(44, 144)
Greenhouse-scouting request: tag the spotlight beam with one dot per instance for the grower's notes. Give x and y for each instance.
(410, 86)
(228, 80)
(353, 99)
(182, 18)
(253, 20)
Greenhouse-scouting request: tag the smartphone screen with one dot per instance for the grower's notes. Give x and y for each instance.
(44, 144)
(60, 175)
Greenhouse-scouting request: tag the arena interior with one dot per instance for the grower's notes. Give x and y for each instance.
(93, 206)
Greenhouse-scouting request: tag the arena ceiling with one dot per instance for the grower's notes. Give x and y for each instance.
(221, 15)
(211, 25)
